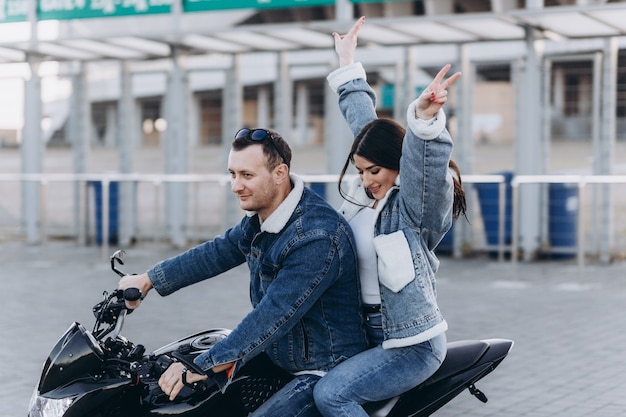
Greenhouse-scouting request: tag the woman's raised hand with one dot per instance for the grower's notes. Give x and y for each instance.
(435, 95)
(345, 45)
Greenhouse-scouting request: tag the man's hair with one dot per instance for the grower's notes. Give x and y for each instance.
(269, 145)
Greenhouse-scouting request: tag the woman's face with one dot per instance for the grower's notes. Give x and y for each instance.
(376, 179)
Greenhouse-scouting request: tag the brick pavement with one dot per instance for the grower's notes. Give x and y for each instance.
(567, 326)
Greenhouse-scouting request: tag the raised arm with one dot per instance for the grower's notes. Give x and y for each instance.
(427, 186)
(345, 45)
(357, 100)
(435, 95)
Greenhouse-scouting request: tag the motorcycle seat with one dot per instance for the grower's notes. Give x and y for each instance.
(461, 355)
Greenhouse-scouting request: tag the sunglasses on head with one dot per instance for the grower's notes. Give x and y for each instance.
(259, 135)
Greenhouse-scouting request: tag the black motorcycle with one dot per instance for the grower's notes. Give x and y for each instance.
(100, 373)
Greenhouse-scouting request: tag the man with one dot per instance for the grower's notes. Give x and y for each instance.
(303, 278)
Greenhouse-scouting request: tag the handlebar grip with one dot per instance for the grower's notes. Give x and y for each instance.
(132, 294)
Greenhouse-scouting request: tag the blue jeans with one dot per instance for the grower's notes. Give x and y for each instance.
(377, 374)
(293, 400)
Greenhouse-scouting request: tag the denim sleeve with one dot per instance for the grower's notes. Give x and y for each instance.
(357, 100)
(426, 186)
(199, 263)
(296, 288)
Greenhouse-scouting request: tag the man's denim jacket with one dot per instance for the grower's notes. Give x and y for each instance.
(411, 219)
(304, 285)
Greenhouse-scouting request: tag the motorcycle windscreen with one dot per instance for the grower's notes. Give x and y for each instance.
(74, 356)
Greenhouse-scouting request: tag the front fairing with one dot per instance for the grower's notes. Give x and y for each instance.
(75, 355)
(88, 397)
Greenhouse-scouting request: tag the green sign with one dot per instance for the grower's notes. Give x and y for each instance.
(380, 1)
(79, 9)
(203, 5)
(387, 95)
(13, 11)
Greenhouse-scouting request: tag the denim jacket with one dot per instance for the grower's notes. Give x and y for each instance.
(411, 219)
(303, 285)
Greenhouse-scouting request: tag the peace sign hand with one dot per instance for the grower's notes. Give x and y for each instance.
(345, 45)
(435, 95)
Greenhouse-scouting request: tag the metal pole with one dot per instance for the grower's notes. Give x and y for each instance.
(283, 103)
(176, 149)
(126, 142)
(232, 119)
(32, 152)
(159, 229)
(463, 140)
(343, 10)
(596, 127)
(580, 237)
(401, 87)
(105, 217)
(83, 213)
(501, 219)
(42, 200)
(514, 225)
(80, 131)
(337, 139)
(607, 143)
(529, 158)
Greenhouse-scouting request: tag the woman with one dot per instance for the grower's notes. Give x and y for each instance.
(399, 208)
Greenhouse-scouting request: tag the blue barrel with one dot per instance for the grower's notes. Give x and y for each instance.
(563, 218)
(488, 196)
(446, 246)
(113, 211)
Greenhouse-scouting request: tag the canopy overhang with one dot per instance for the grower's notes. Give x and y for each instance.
(150, 37)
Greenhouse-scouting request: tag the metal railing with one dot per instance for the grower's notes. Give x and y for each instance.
(583, 209)
(152, 207)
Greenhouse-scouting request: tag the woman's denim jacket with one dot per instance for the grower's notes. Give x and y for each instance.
(411, 219)
(304, 285)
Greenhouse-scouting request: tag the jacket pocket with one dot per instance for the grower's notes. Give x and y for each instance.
(395, 263)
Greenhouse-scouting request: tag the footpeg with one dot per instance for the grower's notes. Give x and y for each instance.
(477, 393)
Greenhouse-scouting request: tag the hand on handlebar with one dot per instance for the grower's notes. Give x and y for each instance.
(175, 377)
(141, 282)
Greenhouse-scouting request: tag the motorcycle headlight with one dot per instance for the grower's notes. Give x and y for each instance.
(48, 407)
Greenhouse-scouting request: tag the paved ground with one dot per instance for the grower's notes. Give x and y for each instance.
(568, 326)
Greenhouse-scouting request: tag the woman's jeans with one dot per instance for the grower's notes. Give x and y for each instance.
(377, 374)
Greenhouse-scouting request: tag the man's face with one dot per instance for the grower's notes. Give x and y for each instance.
(252, 182)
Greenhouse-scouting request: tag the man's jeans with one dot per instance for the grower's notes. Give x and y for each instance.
(377, 374)
(293, 400)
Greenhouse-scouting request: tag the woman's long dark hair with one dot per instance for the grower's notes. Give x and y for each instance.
(459, 205)
(380, 141)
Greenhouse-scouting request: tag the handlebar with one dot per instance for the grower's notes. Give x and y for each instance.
(132, 294)
(112, 310)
